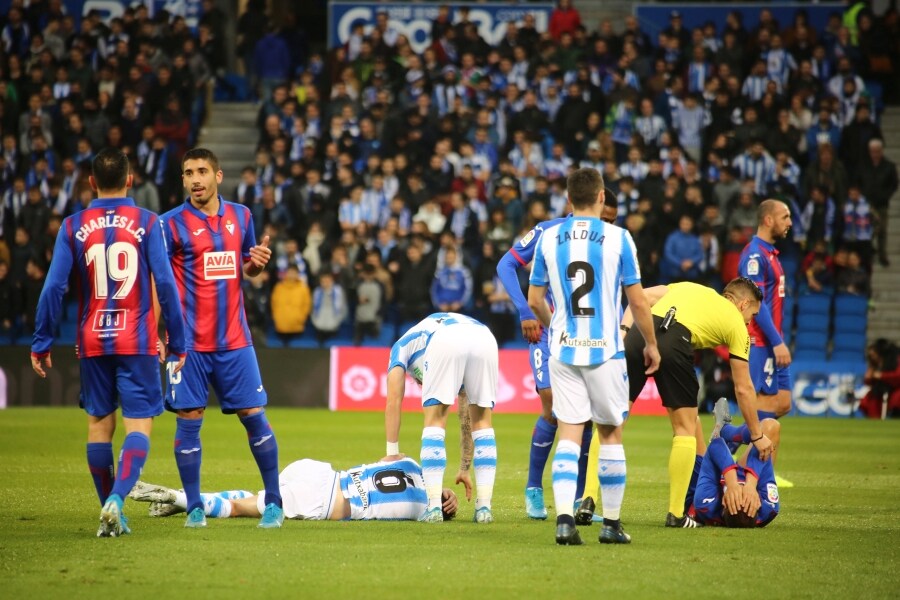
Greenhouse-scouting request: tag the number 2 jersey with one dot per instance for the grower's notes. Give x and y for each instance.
(393, 491)
(585, 263)
(113, 247)
(207, 255)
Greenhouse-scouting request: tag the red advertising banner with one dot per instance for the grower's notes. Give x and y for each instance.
(358, 381)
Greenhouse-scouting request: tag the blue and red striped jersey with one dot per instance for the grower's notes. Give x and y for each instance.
(208, 254)
(759, 262)
(113, 247)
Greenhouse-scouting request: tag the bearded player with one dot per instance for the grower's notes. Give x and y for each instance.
(770, 357)
(212, 245)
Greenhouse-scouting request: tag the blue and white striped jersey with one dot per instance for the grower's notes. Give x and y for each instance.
(385, 491)
(585, 262)
(409, 351)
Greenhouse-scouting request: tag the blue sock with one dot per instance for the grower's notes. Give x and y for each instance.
(582, 460)
(735, 436)
(134, 453)
(541, 443)
(188, 456)
(692, 486)
(100, 463)
(765, 414)
(265, 450)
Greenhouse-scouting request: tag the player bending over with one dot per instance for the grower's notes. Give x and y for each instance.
(311, 490)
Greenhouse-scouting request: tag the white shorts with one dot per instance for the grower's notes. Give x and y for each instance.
(307, 490)
(461, 356)
(596, 393)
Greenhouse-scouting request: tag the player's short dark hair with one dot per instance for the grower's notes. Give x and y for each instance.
(610, 199)
(742, 287)
(201, 154)
(741, 520)
(583, 187)
(110, 169)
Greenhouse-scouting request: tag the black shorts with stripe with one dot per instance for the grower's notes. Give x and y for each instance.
(676, 379)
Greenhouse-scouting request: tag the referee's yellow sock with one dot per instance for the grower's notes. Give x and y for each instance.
(592, 482)
(681, 465)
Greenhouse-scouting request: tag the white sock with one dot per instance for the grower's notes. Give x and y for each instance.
(611, 469)
(565, 476)
(181, 499)
(433, 458)
(485, 463)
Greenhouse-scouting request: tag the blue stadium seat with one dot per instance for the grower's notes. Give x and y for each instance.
(847, 356)
(850, 341)
(812, 322)
(810, 355)
(811, 340)
(851, 304)
(814, 304)
(850, 324)
(385, 339)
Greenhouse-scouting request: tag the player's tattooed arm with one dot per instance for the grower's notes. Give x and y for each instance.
(466, 444)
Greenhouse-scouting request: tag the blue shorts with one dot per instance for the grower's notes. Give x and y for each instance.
(539, 357)
(133, 381)
(234, 375)
(768, 378)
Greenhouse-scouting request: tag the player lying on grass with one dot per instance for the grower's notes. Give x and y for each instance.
(314, 491)
(735, 494)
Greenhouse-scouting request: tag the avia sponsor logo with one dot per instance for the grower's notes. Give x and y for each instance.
(219, 265)
(565, 340)
(107, 322)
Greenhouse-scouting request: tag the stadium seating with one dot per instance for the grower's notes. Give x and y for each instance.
(814, 304)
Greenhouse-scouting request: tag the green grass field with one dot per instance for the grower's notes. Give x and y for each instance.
(838, 535)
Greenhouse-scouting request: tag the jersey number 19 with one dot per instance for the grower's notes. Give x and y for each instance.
(118, 262)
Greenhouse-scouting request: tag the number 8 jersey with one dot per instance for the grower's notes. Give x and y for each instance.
(115, 247)
(585, 262)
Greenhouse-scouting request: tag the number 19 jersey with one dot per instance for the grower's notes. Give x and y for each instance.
(114, 248)
(585, 262)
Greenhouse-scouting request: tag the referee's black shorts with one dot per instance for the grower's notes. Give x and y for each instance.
(676, 379)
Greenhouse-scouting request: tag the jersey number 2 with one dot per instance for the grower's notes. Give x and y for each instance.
(575, 271)
(118, 262)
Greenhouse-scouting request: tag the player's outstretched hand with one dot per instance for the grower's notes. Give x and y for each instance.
(765, 447)
(651, 359)
(261, 253)
(393, 457)
(531, 331)
(464, 478)
(38, 362)
(782, 355)
(450, 503)
(161, 350)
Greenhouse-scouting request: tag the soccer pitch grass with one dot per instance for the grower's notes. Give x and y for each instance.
(838, 535)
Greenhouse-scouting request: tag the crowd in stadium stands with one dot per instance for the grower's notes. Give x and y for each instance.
(391, 182)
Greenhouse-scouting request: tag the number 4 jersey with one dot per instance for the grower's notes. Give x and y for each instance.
(113, 247)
